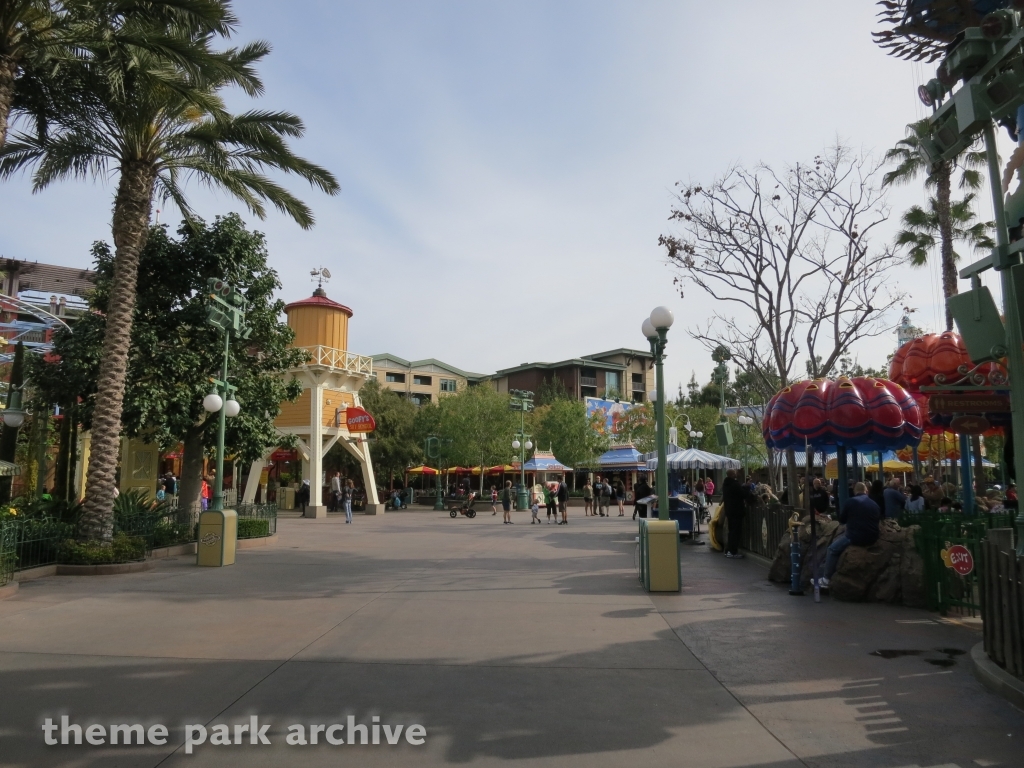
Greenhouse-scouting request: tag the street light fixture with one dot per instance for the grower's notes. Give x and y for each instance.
(14, 414)
(655, 329)
(522, 400)
(225, 312)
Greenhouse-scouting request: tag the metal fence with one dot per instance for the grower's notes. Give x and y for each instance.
(33, 542)
(763, 528)
(951, 548)
(1003, 611)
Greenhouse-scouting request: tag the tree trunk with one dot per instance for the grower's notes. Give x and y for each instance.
(60, 481)
(132, 207)
(190, 484)
(949, 276)
(7, 68)
(73, 456)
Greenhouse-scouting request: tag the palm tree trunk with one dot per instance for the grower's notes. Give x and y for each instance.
(6, 94)
(949, 276)
(132, 207)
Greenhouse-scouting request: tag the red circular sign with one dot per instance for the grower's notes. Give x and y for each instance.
(960, 559)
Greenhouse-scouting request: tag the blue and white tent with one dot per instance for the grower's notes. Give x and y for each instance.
(863, 458)
(545, 461)
(691, 458)
(622, 458)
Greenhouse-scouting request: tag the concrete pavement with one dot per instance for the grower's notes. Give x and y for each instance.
(532, 644)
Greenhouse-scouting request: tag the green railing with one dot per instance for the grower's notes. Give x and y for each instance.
(30, 542)
(8, 554)
(953, 582)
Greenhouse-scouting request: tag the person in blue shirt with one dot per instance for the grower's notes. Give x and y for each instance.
(861, 516)
(895, 501)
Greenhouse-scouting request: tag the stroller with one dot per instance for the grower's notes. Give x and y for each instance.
(465, 508)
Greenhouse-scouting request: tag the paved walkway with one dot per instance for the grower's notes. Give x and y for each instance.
(525, 644)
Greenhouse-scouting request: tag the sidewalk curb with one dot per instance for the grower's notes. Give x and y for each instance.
(995, 678)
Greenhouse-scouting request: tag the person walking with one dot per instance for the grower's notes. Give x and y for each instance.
(861, 516)
(563, 501)
(204, 496)
(534, 510)
(620, 496)
(302, 497)
(347, 494)
(640, 491)
(734, 497)
(506, 503)
(494, 501)
(699, 491)
(602, 495)
(709, 488)
(335, 491)
(588, 498)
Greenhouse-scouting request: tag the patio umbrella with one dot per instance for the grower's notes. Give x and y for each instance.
(422, 470)
(893, 465)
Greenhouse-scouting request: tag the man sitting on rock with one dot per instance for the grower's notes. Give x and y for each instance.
(861, 516)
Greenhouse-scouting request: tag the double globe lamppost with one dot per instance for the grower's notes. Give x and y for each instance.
(226, 312)
(655, 329)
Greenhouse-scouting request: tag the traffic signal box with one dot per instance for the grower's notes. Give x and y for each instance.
(659, 555)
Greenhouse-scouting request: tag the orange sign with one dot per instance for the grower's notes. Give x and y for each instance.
(358, 420)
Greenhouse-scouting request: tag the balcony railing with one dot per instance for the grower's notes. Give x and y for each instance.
(339, 359)
(588, 381)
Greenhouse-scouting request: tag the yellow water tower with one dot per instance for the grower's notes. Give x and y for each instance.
(331, 378)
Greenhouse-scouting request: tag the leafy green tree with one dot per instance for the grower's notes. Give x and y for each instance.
(396, 443)
(550, 390)
(174, 351)
(478, 422)
(154, 120)
(943, 221)
(9, 435)
(572, 436)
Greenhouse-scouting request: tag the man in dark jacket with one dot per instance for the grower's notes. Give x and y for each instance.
(734, 497)
(641, 490)
(861, 516)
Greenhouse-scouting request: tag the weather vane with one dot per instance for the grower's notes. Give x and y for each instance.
(319, 275)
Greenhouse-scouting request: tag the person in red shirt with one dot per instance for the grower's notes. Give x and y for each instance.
(205, 495)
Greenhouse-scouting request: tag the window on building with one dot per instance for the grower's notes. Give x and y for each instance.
(588, 377)
(422, 381)
(638, 397)
(588, 391)
(395, 378)
(611, 382)
(638, 381)
(420, 398)
(449, 385)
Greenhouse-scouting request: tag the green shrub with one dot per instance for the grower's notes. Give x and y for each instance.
(253, 528)
(124, 549)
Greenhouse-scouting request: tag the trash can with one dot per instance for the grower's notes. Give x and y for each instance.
(286, 498)
(659, 555)
(218, 534)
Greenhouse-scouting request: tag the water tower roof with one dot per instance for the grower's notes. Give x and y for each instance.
(319, 299)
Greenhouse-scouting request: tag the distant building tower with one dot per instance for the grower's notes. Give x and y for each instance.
(331, 381)
(906, 330)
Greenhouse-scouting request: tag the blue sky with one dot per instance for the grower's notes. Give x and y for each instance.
(506, 168)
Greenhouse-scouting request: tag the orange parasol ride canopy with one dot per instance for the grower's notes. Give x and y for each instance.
(940, 446)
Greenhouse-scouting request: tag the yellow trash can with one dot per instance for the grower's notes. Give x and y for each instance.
(218, 535)
(286, 498)
(659, 555)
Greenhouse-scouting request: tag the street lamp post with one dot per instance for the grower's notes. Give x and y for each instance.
(655, 328)
(522, 400)
(226, 312)
(745, 422)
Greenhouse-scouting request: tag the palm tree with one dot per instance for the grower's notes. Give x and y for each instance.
(155, 119)
(41, 39)
(922, 228)
(945, 221)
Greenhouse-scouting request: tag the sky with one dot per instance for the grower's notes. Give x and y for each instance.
(507, 167)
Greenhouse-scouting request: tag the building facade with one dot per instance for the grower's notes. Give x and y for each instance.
(422, 381)
(624, 373)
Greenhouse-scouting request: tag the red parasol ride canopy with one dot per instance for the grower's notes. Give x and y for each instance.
(864, 413)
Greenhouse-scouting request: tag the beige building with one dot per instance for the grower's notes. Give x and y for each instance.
(422, 381)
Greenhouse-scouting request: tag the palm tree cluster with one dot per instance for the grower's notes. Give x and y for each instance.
(943, 221)
(134, 89)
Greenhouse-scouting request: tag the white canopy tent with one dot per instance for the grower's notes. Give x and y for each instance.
(691, 458)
